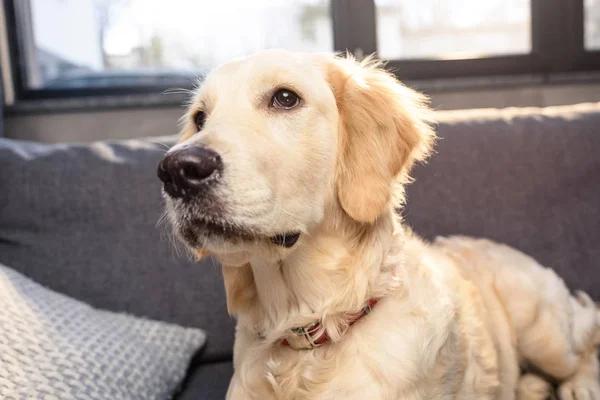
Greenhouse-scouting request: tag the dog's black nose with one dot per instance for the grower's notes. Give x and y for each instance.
(184, 172)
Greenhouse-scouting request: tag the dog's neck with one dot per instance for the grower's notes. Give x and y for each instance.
(332, 273)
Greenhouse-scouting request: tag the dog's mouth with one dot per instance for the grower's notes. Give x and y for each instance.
(199, 231)
(203, 224)
(286, 240)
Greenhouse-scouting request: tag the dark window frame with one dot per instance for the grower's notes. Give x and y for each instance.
(19, 70)
(557, 46)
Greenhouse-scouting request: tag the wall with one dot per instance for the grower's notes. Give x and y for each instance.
(88, 126)
(83, 126)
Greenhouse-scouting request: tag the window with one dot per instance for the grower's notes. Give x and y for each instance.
(592, 24)
(408, 29)
(103, 43)
(73, 48)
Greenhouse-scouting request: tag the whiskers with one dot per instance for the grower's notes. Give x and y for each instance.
(186, 95)
(173, 91)
(165, 147)
(168, 228)
(169, 231)
(161, 219)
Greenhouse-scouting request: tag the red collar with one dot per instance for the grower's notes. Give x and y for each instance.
(304, 337)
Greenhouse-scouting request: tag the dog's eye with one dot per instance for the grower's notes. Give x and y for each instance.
(199, 119)
(285, 99)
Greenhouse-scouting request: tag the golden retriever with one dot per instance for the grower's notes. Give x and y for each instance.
(289, 170)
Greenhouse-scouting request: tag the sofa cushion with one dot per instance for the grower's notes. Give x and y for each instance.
(52, 346)
(82, 220)
(207, 382)
(526, 177)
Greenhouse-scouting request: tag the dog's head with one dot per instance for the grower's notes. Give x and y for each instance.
(274, 143)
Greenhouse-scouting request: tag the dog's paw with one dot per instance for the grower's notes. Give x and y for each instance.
(580, 388)
(532, 387)
(586, 321)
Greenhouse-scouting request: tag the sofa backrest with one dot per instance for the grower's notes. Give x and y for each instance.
(81, 219)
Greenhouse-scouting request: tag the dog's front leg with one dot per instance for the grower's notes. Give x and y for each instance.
(236, 391)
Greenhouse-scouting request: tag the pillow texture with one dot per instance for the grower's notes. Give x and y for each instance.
(55, 347)
(81, 219)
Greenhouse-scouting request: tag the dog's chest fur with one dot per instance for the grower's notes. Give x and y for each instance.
(407, 347)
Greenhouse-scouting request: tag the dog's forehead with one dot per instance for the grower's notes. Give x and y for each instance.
(269, 68)
(265, 62)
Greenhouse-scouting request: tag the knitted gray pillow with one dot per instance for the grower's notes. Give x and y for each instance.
(54, 347)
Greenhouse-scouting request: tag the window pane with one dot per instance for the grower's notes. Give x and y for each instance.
(452, 29)
(99, 43)
(592, 24)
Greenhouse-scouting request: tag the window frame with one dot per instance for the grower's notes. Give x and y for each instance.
(583, 59)
(22, 90)
(557, 47)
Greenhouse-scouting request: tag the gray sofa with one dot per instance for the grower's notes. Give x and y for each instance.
(81, 219)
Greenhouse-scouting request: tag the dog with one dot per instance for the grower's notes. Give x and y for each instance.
(289, 171)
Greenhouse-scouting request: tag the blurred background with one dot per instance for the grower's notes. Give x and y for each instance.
(82, 70)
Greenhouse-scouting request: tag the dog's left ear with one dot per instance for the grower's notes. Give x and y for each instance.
(384, 128)
(240, 290)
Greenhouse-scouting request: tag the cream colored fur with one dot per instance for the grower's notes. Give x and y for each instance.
(456, 317)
